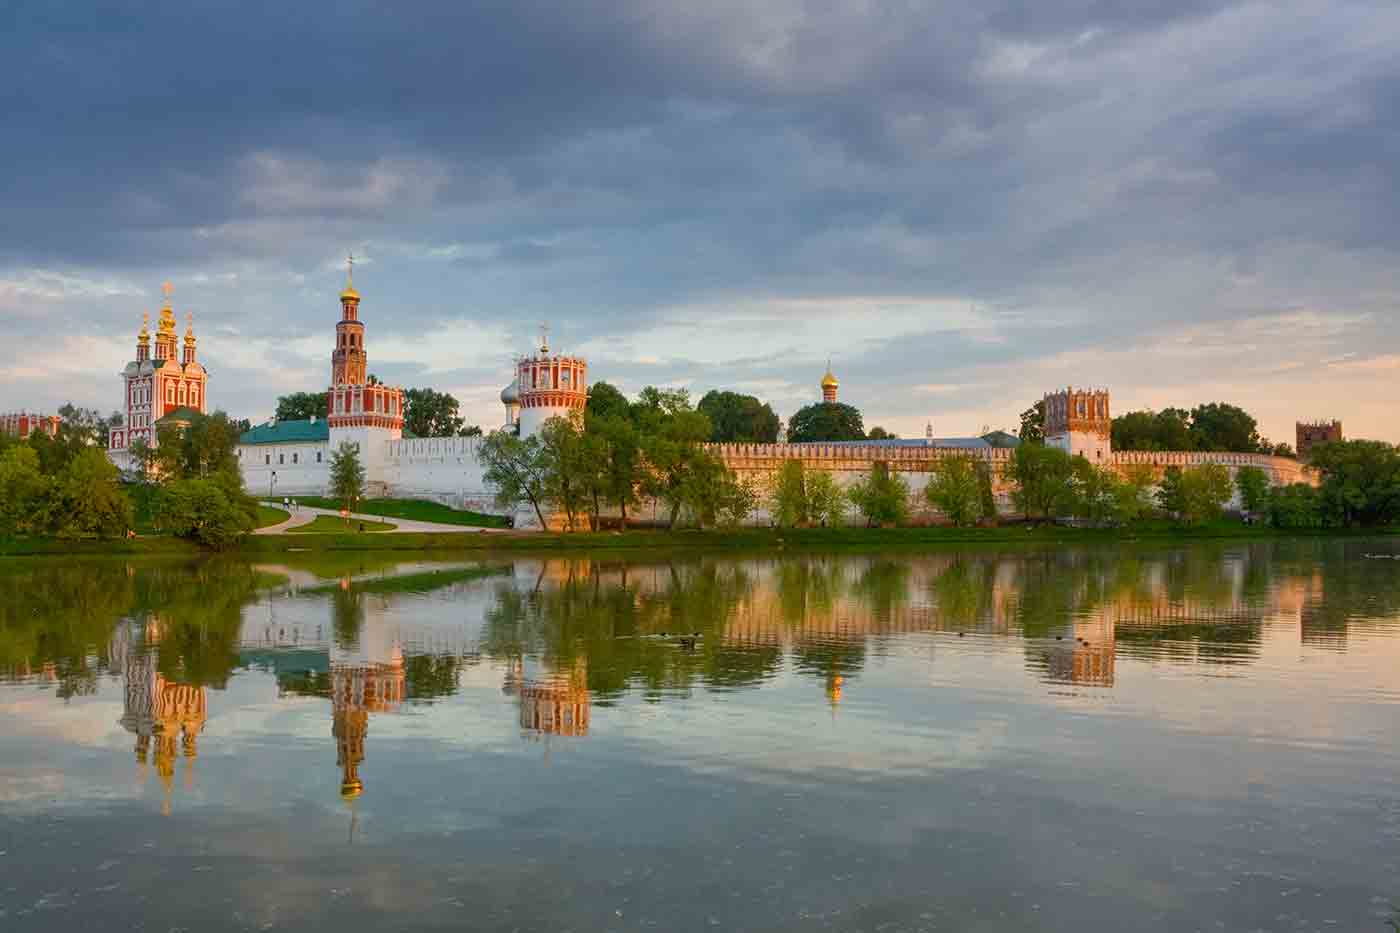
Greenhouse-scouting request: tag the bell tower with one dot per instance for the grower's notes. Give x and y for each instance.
(1078, 421)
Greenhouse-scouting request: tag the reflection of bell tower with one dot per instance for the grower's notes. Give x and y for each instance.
(165, 716)
(357, 691)
(349, 727)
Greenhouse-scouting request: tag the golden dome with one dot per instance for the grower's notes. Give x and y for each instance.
(829, 381)
(350, 293)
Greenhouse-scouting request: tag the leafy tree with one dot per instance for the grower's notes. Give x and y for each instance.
(1170, 496)
(985, 496)
(1360, 482)
(1205, 490)
(671, 439)
(205, 447)
(23, 491)
(1219, 426)
(605, 401)
(788, 495)
(1134, 492)
(825, 421)
(1168, 429)
(203, 510)
(302, 406)
(826, 500)
(736, 418)
(87, 499)
(713, 494)
(653, 405)
(567, 467)
(1033, 424)
(430, 413)
(347, 474)
(955, 489)
(882, 497)
(1297, 505)
(617, 451)
(878, 433)
(1097, 493)
(1284, 450)
(1253, 484)
(518, 470)
(1044, 478)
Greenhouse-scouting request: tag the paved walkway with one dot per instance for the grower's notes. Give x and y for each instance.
(303, 514)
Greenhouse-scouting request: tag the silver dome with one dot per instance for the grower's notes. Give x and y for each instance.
(510, 395)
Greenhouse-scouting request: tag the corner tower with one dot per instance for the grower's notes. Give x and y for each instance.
(1078, 421)
(549, 386)
(359, 408)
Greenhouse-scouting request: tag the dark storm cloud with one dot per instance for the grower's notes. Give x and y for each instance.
(1129, 166)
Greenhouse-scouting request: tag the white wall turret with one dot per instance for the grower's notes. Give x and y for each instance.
(549, 386)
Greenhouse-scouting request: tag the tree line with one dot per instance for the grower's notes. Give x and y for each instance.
(426, 412)
(1210, 427)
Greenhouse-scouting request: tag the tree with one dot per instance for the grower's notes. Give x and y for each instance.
(1170, 497)
(1253, 484)
(1284, 450)
(671, 438)
(736, 418)
(567, 467)
(826, 500)
(878, 433)
(713, 494)
(517, 469)
(1219, 426)
(1168, 429)
(87, 499)
(787, 495)
(985, 496)
(605, 401)
(347, 474)
(1097, 494)
(203, 510)
(1205, 490)
(654, 404)
(302, 406)
(1360, 482)
(825, 421)
(1033, 424)
(429, 413)
(1134, 492)
(23, 492)
(1297, 505)
(882, 497)
(618, 453)
(955, 489)
(1044, 478)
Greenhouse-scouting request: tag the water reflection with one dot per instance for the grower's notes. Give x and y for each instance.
(551, 697)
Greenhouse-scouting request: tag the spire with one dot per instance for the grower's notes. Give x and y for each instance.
(143, 339)
(350, 293)
(189, 338)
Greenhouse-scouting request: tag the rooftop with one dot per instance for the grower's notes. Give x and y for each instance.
(288, 432)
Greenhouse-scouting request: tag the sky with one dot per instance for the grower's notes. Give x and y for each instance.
(961, 205)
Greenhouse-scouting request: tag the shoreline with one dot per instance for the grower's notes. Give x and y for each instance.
(748, 539)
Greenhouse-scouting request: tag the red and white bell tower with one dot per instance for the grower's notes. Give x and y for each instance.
(359, 408)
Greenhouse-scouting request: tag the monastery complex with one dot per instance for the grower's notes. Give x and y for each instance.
(166, 383)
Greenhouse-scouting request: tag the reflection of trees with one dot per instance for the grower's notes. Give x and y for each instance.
(964, 592)
(883, 587)
(808, 585)
(59, 616)
(662, 640)
(347, 615)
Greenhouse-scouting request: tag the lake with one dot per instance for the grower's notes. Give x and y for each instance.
(1155, 737)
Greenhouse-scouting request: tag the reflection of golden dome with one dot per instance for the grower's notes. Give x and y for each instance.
(349, 790)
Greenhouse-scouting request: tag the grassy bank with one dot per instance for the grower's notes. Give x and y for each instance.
(418, 510)
(742, 539)
(332, 524)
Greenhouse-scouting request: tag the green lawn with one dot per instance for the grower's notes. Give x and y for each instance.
(417, 510)
(267, 515)
(331, 524)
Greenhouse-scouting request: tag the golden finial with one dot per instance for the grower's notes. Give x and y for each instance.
(145, 335)
(167, 289)
(350, 279)
(189, 327)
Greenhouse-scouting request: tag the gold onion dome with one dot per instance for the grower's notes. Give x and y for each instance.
(829, 381)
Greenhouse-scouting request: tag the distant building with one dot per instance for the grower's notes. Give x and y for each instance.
(22, 424)
(1312, 433)
(1078, 421)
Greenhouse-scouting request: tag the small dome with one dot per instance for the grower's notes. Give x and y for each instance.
(349, 293)
(829, 381)
(511, 393)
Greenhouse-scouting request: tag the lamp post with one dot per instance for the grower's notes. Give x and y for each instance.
(271, 482)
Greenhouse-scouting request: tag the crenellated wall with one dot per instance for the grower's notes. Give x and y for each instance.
(443, 469)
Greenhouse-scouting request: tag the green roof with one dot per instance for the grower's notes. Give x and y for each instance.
(1001, 439)
(288, 432)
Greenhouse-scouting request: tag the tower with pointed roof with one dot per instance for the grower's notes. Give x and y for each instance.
(359, 408)
(168, 383)
(829, 385)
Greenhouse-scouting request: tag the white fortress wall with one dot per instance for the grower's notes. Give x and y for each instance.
(292, 469)
(443, 469)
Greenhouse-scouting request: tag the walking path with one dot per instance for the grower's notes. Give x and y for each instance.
(305, 513)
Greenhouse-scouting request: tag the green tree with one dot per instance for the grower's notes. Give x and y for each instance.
(517, 468)
(1284, 450)
(653, 405)
(605, 401)
(826, 500)
(671, 447)
(1170, 496)
(1168, 429)
(878, 433)
(618, 453)
(1253, 484)
(1297, 505)
(207, 445)
(955, 489)
(1360, 482)
(87, 499)
(430, 413)
(1134, 492)
(712, 494)
(787, 495)
(736, 418)
(567, 466)
(1224, 427)
(882, 497)
(23, 492)
(1098, 496)
(203, 510)
(1044, 480)
(1033, 424)
(985, 496)
(347, 474)
(1205, 490)
(302, 406)
(825, 421)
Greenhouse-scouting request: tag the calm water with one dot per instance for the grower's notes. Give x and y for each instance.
(1203, 738)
